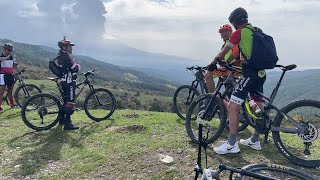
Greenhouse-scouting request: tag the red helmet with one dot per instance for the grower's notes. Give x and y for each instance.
(225, 27)
(65, 43)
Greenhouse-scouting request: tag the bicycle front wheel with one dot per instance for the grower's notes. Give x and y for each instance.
(100, 104)
(213, 123)
(41, 112)
(25, 91)
(182, 99)
(275, 171)
(300, 148)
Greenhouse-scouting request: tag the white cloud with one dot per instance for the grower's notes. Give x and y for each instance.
(189, 28)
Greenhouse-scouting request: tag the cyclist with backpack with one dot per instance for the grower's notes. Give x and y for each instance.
(7, 65)
(68, 69)
(253, 76)
(232, 58)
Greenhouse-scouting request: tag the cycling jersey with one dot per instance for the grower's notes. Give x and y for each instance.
(7, 65)
(243, 37)
(67, 67)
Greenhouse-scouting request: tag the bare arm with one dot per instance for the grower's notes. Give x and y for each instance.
(4, 58)
(221, 55)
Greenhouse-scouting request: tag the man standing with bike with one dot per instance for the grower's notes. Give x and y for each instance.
(251, 79)
(7, 64)
(232, 57)
(68, 69)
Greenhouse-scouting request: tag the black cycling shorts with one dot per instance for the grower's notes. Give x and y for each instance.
(8, 80)
(251, 79)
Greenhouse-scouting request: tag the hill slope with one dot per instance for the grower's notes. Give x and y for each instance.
(130, 145)
(38, 56)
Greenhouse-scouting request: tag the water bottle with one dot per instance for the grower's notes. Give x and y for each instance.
(254, 107)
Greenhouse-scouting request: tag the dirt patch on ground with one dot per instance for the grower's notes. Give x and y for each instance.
(130, 116)
(134, 128)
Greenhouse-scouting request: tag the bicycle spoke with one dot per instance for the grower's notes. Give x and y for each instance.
(40, 112)
(100, 104)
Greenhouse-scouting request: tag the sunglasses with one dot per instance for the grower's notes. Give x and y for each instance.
(10, 50)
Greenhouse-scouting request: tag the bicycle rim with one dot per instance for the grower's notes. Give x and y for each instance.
(25, 91)
(301, 149)
(275, 171)
(100, 104)
(41, 112)
(214, 122)
(182, 99)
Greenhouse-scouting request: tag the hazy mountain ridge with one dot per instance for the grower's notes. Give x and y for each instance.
(38, 56)
(296, 84)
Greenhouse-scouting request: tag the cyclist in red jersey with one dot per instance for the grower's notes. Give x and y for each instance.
(232, 58)
(251, 79)
(7, 65)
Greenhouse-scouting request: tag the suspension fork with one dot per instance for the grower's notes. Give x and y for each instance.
(190, 89)
(208, 107)
(95, 95)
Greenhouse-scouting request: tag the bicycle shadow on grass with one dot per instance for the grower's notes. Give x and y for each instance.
(39, 149)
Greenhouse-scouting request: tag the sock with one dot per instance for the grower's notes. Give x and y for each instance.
(255, 138)
(232, 139)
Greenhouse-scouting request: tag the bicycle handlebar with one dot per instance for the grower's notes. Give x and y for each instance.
(21, 71)
(196, 67)
(88, 73)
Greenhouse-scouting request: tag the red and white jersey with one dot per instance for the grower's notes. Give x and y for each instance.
(7, 65)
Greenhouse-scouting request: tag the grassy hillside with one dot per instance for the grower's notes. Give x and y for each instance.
(129, 145)
(295, 85)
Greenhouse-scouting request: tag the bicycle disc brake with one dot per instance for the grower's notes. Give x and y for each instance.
(312, 133)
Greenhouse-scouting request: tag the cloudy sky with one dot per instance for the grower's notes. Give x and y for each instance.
(187, 28)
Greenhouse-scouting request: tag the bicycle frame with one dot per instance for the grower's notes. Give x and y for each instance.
(198, 81)
(80, 86)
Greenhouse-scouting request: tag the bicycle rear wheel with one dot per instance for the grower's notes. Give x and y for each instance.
(24, 91)
(300, 148)
(182, 99)
(100, 104)
(41, 112)
(275, 171)
(214, 122)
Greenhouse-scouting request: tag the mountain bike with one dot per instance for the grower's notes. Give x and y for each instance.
(186, 94)
(294, 128)
(23, 91)
(216, 125)
(251, 171)
(43, 111)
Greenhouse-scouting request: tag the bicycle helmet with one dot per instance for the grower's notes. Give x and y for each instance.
(65, 43)
(8, 46)
(238, 16)
(225, 27)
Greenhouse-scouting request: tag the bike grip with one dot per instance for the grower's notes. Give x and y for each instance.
(212, 67)
(222, 167)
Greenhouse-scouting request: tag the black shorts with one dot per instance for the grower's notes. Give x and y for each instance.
(8, 80)
(250, 80)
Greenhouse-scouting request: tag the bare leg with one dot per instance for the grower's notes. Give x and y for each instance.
(2, 89)
(10, 96)
(209, 82)
(233, 114)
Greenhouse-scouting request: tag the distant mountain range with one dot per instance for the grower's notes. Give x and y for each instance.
(167, 67)
(159, 73)
(37, 57)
